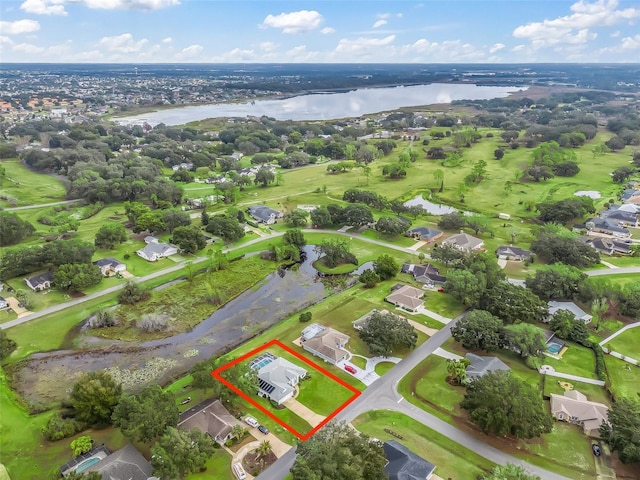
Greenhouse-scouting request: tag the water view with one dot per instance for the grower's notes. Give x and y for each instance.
(324, 106)
(432, 208)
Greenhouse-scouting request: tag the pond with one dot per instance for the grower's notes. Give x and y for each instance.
(432, 208)
(325, 106)
(281, 294)
(594, 194)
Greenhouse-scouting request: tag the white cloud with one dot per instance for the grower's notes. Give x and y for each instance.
(602, 13)
(190, 52)
(518, 48)
(237, 55)
(615, 34)
(496, 47)
(27, 48)
(44, 7)
(631, 43)
(268, 46)
(327, 30)
(19, 26)
(300, 54)
(363, 46)
(167, 40)
(379, 23)
(57, 7)
(122, 44)
(446, 51)
(294, 22)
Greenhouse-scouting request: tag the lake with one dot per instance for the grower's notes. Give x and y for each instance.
(326, 106)
(432, 208)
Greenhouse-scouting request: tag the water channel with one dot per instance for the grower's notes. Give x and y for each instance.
(326, 106)
(279, 295)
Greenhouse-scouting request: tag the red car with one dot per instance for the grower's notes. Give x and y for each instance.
(441, 290)
(350, 369)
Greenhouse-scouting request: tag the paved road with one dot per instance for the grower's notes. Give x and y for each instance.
(613, 271)
(40, 205)
(383, 395)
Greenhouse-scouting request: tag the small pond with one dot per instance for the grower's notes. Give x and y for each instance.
(588, 193)
(432, 208)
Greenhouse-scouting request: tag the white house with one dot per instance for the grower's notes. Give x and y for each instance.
(154, 250)
(277, 377)
(570, 307)
(110, 266)
(325, 342)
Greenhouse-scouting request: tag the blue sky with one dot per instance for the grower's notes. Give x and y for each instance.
(239, 31)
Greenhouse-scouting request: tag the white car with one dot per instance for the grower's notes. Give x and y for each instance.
(252, 422)
(239, 471)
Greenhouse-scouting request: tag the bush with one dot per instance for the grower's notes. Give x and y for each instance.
(153, 322)
(133, 293)
(229, 443)
(103, 318)
(58, 428)
(305, 317)
(601, 367)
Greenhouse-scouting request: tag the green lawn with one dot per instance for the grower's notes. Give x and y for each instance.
(627, 343)
(577, 360)
(25, 187)
(451, 459)
(624, 378)
(384, 367)
(284, 414)
(594, 393)
(218, 467)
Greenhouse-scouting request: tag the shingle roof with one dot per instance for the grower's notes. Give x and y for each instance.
(280, 373)
(464, 241)
(570, 307)
(513, 251)
(425, 232)
(40, 279)
(482, 365)
(406, 296)
(403, 464)
(124, 464)
(213, 418)
(329, 343)
(262, 212)
(574, 404)
(107, 262)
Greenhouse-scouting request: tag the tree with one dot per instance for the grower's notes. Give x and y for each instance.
(150, 222)
(74, 475)
(174, 219)
(181, 452)
(386, 267)
(145, 416)
(133, 293)
(498, 154)
(438, 176)
(294, 237)
(356, 215)
(555, 248)
(622, 432)
(508, 471)
(513, 303)
(238, 432)
(457, 370)
(564, 211)
(394, 170)
(384, 331)
(477, 223)
(335, 252)
(339, 452)
(369, 278)
(526, 339)
(447, 254)
(556, 282)
(296, 218)
(110, 234)
(466, 286)
(565, 325)
(7, 345)
(264, 448)
(94, 397)
(305, 317)
(229, 229)
(189, 239)
(264, 176)
(204, 218)
(630, 300)
(320, 217)
(452, 221)
(390, 226)
(13, 229)
(479, 330)
(503, 405)
(76, 277)
(81, 445)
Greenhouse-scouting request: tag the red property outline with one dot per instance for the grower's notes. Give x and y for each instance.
(216, 374)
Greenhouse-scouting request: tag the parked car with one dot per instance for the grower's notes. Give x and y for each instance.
(350, 369)
(441, 290)
(596, 450)
(239, 471)
(263, 429)
(252, 422)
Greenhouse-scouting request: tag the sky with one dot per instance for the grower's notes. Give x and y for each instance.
(320, 31)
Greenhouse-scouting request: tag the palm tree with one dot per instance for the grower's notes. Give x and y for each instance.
(457, 370)
(438, 176)
(264, 448)
(238, 431)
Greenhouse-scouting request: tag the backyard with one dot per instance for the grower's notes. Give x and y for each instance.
(627, 343)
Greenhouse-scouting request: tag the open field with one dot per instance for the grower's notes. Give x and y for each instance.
(624, 378)
(594, 393)
(577, 360)
(451, 459)
(627, 343)
(24, 187)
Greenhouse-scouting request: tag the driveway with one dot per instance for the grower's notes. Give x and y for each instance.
(13, 304)
(304, 412)
(417, 245)
(423, 328)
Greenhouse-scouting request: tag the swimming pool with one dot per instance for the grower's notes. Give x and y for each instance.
(553, 347)
(87, 463)
(261, 361)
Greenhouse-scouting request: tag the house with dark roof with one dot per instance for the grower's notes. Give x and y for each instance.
(210, 417)
(610, 246)
(325, 342)
(606, 226)
(264, 214)
(425, 234)
(110, 266)
(40, 282)
(464, 242)
(277, 377)
(427, 274)
(626, 216)
(403, 464)
(124, 464)
(509, 252)
(3, 303)
(154, 250)
(480, 366)
(406, 297)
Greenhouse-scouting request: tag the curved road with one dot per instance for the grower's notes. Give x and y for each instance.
(41, 205)
(383, 395)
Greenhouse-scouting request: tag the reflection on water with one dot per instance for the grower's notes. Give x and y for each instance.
(325, 106)
(432, 208)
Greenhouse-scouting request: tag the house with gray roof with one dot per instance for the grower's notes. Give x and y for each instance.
(425, 234)
(574, 407)
(40, 282)
(154, 250)
(464, 242)
(606, 226)
(480, 366)
(264, 214)
(325, 342)
(124, 464)
(509, 252)
(210, 417)
(626, 216)
(406, 297)
(610, 246)
(427, 274)
(277, 377)
(110, 266)
(570, 307)
(403, 464)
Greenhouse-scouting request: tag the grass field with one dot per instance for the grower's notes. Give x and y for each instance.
(384, 367)
(627, 343)
(577, 360)
(451, 459)
(218, 467)
(624, 378)
(594, 393)
(25, 187)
